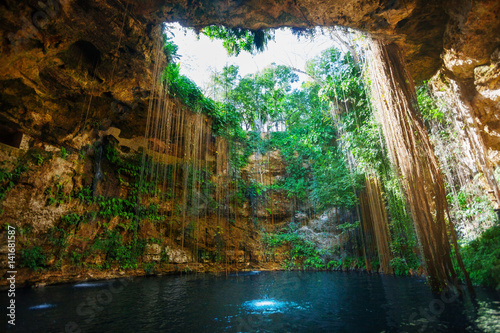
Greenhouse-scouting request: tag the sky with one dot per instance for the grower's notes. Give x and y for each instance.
(200, 56)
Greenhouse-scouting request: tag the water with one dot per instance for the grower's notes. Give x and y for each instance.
(254, 302)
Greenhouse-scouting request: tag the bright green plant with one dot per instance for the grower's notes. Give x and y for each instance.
(33, 257)
(64, 153)
(72, 219)
(8, 179)
(236, 40)
(149, 268)
(428, 106)
(302, 254)
(482, 258)
(76, 258)
(58, 236)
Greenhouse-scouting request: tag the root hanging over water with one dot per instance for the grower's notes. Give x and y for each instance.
(375, 221)
(412, 153)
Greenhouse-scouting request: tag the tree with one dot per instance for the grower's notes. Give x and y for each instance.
(223, 83)
(260, 98)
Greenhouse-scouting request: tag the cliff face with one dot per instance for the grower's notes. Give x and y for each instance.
(471, 65)
(67, 64)
(85, 213)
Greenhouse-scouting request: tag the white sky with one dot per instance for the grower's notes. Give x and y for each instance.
(201, 56)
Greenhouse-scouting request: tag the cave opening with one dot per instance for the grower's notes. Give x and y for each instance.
(322, 128)
(326, 131)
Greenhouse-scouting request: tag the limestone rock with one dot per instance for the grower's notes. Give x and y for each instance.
(69, 65)
(178, 256)
(152, 252)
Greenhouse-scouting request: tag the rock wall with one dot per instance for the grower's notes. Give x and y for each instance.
(471, 68)
(65, 62)
(78, 214)
(265, 171)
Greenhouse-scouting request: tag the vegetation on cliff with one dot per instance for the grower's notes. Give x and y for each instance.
(244, 176)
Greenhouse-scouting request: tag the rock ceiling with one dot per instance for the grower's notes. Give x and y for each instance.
(56, 55)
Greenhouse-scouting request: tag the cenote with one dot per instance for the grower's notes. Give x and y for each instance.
(256, 302)
(250, 166)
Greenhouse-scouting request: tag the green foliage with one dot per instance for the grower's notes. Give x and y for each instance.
(84, 194)
(149, 268)
(56, 195)
(268, 97)
(346, 227)
(344, 88)
(333, 184)
(25, 230)
(64, 153)
(334, 264)
(125, 254)
(58, 237)
(33, 257)
(188, 92)
(302, 254)
(360, 138)
(482, 258)
(257, 98)
(346, 263)
(427, 104)
(401, 266)
(9, 179)
(219, 245)
(225, 121)
(110, 207)
(361, 141)
(37, 156)
(315, 167)
(76, 258)
(403, 236)
(236, 40)
(72, 219)
(169, 48)
(182, 87)
(470, 205)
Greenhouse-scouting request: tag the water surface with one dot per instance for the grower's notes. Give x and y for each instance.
(254, 302)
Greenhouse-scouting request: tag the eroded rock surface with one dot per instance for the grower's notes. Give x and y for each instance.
(67, 65)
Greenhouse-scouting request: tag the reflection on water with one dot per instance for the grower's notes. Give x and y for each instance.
(245, 273)
(89, 285)
(41, 306)
(488, 316)
(255, 302)
(266, 306)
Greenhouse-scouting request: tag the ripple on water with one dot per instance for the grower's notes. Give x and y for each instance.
(251, 273)
(89, 285)
(271, 306)
(42, 306)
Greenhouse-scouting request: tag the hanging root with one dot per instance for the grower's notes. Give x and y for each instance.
(411, 152)
(375, 220)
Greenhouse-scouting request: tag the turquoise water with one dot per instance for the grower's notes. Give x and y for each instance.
(255, 302)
